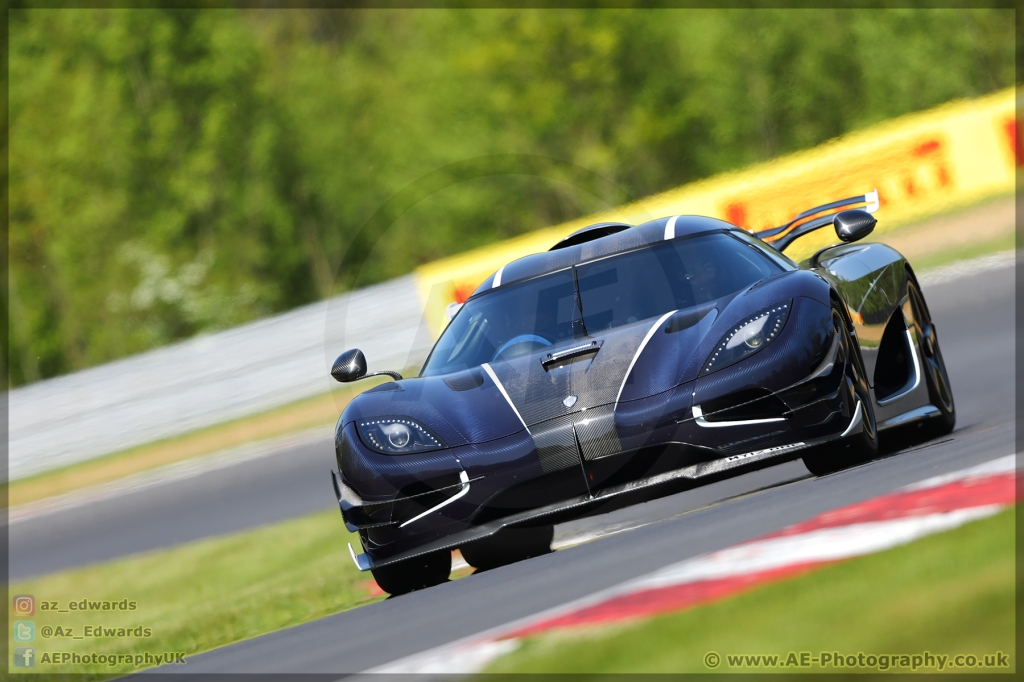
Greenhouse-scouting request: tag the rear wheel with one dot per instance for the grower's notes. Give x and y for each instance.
(940, 393)
(862, 444)
(508, 546)
(426, 570)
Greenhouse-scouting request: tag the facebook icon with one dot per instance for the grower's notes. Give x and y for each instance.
(24, 657)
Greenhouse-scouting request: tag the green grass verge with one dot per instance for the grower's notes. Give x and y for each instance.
(205, 594)
(985, 248)
(950, 593)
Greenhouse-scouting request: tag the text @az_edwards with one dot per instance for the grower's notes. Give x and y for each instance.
(89, 605)
(94, 632)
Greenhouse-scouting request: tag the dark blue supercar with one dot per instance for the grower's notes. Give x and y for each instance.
(629, 362)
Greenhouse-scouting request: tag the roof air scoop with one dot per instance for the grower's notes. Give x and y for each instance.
(590, 233)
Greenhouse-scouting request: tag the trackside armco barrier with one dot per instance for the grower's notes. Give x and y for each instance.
(211, 379)
(921, 164)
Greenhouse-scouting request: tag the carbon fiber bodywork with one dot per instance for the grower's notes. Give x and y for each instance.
(627, 414)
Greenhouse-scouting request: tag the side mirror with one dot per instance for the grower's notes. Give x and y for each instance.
(854, 224)
(350, 366)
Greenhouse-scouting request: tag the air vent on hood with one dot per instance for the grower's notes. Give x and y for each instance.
(384, 388)
(768, 280)
(685, 319)
(466, 381)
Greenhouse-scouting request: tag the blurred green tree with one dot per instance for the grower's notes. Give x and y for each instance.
(152, 184)
(178, 171)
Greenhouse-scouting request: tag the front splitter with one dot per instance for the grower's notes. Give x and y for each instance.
(365, 562)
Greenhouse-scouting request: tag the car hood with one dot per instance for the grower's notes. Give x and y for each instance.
(500, 398)
(631, 362)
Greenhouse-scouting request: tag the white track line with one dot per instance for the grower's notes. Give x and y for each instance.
(996, 466)
(474, 653)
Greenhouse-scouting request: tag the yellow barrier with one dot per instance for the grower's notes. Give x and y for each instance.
(921, 164)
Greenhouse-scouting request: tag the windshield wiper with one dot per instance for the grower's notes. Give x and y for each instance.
(578, 322)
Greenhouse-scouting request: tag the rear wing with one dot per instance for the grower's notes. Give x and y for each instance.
(815, 218)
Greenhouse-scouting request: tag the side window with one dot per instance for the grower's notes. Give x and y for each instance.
(716, 265)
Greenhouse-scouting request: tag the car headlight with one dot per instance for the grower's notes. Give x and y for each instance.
(398, 436)
(748, 337)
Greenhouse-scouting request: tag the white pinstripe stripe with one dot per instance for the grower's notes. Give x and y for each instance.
(494, 378)
(670, 227)
(643, 344)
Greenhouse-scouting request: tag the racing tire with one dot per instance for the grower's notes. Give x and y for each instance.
(861, 446)
(423, 571)
(508, 546)
(940, 392)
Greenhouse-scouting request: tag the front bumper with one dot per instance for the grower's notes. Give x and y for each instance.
(577, 506)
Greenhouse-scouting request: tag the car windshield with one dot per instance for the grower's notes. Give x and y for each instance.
(621, 289)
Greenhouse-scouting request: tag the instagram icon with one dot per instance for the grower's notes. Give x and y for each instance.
(24, 605)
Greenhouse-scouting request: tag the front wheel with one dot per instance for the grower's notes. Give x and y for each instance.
(426, 570)
(940, 392)
(861, 444)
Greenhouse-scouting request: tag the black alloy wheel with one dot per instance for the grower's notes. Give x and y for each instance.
(862, 445)
(940, 392)
(417, 573)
